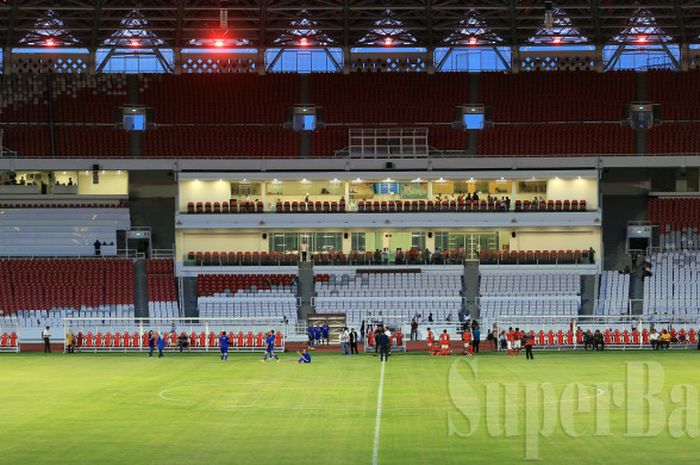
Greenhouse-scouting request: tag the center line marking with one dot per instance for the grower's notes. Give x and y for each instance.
(377, 424)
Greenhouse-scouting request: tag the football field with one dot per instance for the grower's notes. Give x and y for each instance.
(561, 408)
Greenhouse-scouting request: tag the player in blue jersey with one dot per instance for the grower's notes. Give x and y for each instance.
(304, 357)
(270, 350)
(317, 335)
(325, 331)
(310, 333)
(223, 346)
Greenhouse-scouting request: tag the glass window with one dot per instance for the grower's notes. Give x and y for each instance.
(472, 59)
(418, 240)
(358, 241)
(642, 57)
(307, 60)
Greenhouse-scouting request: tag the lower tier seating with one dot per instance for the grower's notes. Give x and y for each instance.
(162, 289)
(674, 285)
(390, 295)
(537, 294)
(613, 293)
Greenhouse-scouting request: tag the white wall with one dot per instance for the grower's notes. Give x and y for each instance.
(111, 183)
(574, 189)
(222, 241)
(203, 191)
(556, 239)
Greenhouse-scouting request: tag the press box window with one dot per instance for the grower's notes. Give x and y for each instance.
(304, 118)
(472, 117)
(134, 118)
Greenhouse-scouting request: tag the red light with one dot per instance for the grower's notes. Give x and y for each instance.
(304, 42)
(556, 40)
(642, 39)
(388, 41)
(50, 42)
(134, 42)
(218, 43)
(472, 41)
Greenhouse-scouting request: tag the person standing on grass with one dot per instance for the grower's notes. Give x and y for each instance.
(353, 341)
(70, 341)
(151, 343)
(270, 347)
(383, 344)
(46, 336)
(476, 339)
(362, 331)
(161, 345)
(414, 329)
(223, 346)
(529, 341)
(345, 341)
(325, 333)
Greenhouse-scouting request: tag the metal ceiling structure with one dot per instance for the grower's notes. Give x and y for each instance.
(354, 23)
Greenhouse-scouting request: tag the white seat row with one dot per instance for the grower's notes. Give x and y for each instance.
(674, 284)
(613, 293)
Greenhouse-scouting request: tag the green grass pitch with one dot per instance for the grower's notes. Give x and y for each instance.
(195, 409)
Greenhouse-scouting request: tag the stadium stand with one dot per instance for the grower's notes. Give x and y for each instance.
(532, 257)
(248, 295)
(673, 288)
(538, 294)
(673, 214)
(678, 93)
(613, 293)
(44, 291)
(242, 258)
(385, 294)
(61, 231)
(162, 289)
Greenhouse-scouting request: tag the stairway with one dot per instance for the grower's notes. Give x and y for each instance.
(306, 289)
(140, 289)
(588, 294)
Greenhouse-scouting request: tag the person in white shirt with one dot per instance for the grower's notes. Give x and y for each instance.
(344, 342)
(46, 336)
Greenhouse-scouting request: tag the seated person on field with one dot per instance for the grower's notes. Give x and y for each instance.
(304, 357)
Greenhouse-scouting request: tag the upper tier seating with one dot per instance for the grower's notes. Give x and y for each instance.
(220, 141)
(71, 141)
(64, 231)
(221, 98)
(373, 98)
(537, 294)
(674, 213)
(551, 97)
(613, 293)
(40, 291)
(374, 295)
(162, 289)
(678, 93)
(556, 139)
(79, 98)
(675, 139)
(674, 285)
(248, 295)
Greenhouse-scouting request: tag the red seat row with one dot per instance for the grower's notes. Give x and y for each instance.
(611, 337)
(532, 257)
(310, 207)
(121, 204)
(242, 258)
(45, 284)
(676, 212)
(232, 206)
(135, 340)
(551, 205)
(8, 339)
(160, 280)
(398, 206)
(210, 284)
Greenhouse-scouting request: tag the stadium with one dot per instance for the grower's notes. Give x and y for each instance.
(349, 231)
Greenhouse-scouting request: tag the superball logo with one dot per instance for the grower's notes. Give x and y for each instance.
(536, 411)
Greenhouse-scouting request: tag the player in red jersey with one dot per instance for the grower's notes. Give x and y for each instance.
(430, 338)
(510, 337)
(444, 343)
(467, 339)
(517, 341)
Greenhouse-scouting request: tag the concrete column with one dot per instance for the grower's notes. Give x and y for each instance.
(430, 190)
(641, 136)
(7, 60)
(263, 195)
(347, 57)
(474, 97)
